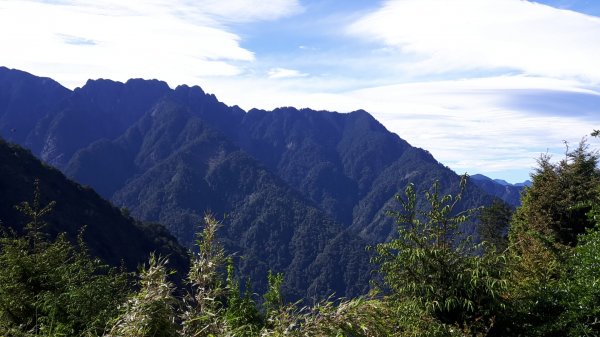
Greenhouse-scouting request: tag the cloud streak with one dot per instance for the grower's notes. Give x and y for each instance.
(248, 10)
(284, 73)
(465, 35)
(178, 41)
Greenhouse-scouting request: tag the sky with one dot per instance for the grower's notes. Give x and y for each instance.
(486, 86)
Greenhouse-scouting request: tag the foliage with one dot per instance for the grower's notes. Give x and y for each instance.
(356, 317)
(49, 287)
(216, 305)
(150, 311)
(435, 266)
(555, 207)
(273, 298)
(494, 222)
(544, 242)
(581, 288)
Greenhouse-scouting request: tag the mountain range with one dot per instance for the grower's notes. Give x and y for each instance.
(507, 192)
(299, 191)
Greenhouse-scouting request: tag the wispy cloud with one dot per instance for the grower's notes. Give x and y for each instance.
(247, 10)
(76, 40)
(433, 36)
(285, 73)
(176, 40)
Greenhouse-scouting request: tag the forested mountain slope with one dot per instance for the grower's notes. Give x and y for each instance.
(115, 238)
(300, 191)
(180, 168)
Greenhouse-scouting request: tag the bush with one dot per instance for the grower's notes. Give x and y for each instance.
(51, 287)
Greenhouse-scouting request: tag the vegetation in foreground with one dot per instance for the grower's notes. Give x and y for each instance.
(541, 279)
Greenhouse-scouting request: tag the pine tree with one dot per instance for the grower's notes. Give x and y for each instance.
(554, 211)
(544, 233)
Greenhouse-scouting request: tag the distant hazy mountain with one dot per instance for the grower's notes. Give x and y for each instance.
(509, 193)
(526, 183)
(110, 235)
(300, 191)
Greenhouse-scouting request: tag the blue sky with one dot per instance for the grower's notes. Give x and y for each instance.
(484, 85)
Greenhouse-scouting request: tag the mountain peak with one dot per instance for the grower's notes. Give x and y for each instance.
(509, 193)
(99, 83)
(132, 84)
(15, 76)
(154, 83)
(195, 89)
(526, 183)
(479, 177)
(360, 112)
(502, 182)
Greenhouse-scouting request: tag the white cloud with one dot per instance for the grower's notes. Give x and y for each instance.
(176, 40)
(435, 36)
(284, 73)
(249, 10)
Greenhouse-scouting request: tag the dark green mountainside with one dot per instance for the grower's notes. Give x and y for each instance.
(182, 167)
(349, 164)
(301, 191)
(110, 235)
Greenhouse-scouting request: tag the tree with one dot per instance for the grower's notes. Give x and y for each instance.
(556, 203)
(581, 288)
(554, 210)
(494, 221)
(432, 264)
(50, 287)
(544, 237)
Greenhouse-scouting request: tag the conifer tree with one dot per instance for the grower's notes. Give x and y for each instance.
(543, 240)
(554, 212)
